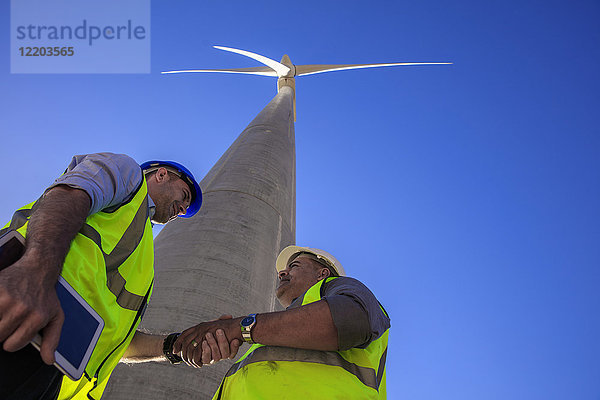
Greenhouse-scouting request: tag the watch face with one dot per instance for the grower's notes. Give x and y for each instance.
(247, 321)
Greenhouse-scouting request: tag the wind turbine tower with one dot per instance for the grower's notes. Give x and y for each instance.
(221, 261)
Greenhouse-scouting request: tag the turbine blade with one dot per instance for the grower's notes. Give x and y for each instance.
(263, 71)
(319, 68)
(281, 69)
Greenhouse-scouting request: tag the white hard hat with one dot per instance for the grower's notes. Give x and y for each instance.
(284, 257)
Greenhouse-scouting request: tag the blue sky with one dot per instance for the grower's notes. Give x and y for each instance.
(465, 196)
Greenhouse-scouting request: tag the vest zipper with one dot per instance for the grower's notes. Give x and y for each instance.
(135, 320)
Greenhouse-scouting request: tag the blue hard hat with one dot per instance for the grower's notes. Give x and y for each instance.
(186, 176)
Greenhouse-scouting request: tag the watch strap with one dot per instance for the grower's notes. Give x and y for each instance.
(247, 330)
(168, 348)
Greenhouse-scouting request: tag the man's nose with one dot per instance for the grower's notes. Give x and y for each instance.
(282, 273)
(182, 209)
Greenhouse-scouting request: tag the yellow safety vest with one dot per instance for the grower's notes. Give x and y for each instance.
(271, 372)
(111, 265)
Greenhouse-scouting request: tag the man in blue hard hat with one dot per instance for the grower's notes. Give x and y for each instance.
(173, 189)
(92, 227)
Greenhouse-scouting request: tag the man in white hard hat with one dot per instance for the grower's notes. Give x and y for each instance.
(330, 342)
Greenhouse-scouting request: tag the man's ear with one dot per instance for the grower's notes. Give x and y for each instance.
(324, 273)
(161, 175)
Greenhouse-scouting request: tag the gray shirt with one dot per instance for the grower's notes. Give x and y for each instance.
(109, 179)
(356, 312)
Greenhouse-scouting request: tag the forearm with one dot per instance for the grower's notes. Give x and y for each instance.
(28, 299)
(55, 221)
(144, 347)
(307, 327)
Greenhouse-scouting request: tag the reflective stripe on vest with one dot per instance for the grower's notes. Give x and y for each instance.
(273, 353)
(266, 370)
(110, 263)
(124, 248)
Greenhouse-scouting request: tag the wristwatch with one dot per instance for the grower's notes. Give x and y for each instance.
(168, 348)
(247, 325)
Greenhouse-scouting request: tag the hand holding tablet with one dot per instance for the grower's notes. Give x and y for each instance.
(82, 325)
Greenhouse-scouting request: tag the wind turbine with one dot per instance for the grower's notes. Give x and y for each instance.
(221, 261)
(285, 71)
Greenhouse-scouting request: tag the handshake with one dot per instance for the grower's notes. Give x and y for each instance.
(209, 342)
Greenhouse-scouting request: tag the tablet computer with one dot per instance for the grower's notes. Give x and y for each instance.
(11, 248)
(82, 327)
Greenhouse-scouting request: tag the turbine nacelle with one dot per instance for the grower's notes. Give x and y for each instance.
(285, 60)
